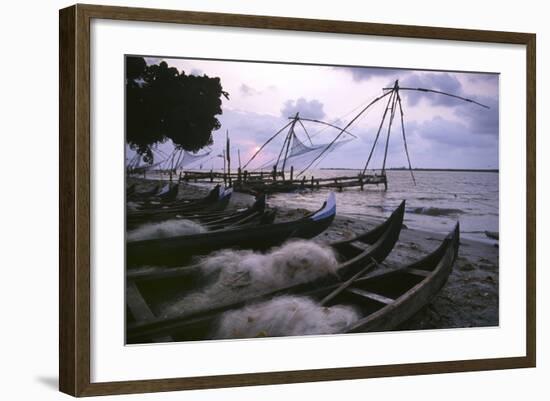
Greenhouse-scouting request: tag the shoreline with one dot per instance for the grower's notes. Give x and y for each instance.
(468, 299)
(420, 169)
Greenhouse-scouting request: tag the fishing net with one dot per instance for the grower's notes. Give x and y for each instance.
(168, 159)
(301, 155)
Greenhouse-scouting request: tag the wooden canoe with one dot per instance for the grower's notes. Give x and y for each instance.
(152, 204)
(130, 190)
(141, 196)
(388, 299)
(168, 193)
(178, 250)
(209, 204)
(148, 287)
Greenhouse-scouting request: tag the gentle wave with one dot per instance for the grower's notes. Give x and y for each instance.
(435, 211)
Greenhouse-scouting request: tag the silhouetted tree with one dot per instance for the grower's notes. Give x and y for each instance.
(162, 104)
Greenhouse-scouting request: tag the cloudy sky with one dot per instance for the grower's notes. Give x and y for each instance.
(442, 132)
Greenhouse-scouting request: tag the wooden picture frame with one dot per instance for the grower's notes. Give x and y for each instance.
(74, 205)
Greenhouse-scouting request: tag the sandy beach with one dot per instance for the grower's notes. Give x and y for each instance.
(469, 298)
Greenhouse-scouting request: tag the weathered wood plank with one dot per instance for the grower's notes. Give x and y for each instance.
(419, 272)
(139, 308)
(370, 295)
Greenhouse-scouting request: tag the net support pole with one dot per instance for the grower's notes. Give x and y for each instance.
(405, 137)
(287, 140)
(291, 134)
(266, 143)
(392, 116)
(378, 132)
(228, 155)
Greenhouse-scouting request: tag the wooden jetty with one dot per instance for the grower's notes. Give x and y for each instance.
(339, 183)
(276, 181)
(280, 179)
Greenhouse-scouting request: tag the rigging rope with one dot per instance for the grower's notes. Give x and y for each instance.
(305, 130)
(442, 93)
(405, 138)
(265, 144)
(378, 133)
(392, 116)
(343, 129)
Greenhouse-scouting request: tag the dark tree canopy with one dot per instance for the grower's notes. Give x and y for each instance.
(163, 103)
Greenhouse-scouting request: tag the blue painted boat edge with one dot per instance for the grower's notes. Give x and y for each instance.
(221, 191)
(226, 193)
(164, 190)
(328, 210)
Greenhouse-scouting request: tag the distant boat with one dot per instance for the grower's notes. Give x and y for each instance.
(216, 200)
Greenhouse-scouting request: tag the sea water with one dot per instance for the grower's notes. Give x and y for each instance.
(437, 201)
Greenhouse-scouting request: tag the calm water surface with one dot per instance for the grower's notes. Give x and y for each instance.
(435, 203)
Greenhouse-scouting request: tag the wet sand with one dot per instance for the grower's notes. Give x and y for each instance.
(468, 299)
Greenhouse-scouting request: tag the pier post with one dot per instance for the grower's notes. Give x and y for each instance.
(361, 183)
(274, 173)
(312, 182)
(211, 175)
(291, 173)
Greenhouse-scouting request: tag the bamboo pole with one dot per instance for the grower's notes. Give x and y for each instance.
(443, 93)
(291, 134)
(224, 174)
(228, 153)
(265, 144)
(405, 138)
(392, 116)
(378, 132)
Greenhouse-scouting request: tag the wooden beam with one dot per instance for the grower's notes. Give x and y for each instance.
(371, 295)
(419, 272)
(140, 309)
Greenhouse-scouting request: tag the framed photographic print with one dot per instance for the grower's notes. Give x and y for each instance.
(297, 200)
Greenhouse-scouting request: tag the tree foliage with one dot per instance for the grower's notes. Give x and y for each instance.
(163, 103)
